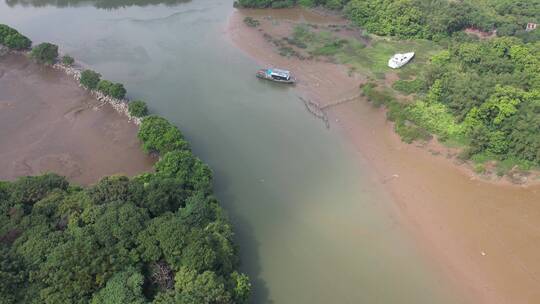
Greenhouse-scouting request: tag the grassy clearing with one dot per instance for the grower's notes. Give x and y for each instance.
(371, 58)
(408, 87)
(374, 57)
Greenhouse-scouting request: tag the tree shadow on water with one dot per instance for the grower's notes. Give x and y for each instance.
(244, 237)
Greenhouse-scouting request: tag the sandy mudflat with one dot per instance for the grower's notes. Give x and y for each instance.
(484, 237)
(49, 124)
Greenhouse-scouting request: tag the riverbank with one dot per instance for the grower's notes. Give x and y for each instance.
(49, 123)
(481, 235)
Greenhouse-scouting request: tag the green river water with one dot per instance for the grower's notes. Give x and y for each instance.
(311, 224)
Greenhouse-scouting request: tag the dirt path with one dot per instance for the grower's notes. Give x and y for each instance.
(49, 124)
(485, 237)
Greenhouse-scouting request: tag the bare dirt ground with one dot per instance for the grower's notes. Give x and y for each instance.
(484, 236)
(49, 124)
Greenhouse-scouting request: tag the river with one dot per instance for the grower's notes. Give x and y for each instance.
(312, 224)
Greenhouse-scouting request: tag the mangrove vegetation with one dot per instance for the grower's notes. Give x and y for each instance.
(159, 237)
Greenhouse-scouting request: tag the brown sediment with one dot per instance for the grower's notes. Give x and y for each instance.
(49, 124)
(484, 236)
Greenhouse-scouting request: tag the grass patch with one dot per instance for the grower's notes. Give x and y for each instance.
(370, 59)
(374, 58)
(321, 43)
(377, 97)
(408, 87)
(482, 158)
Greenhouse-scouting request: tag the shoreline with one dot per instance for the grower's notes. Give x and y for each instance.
(50, 123)
(480, 234)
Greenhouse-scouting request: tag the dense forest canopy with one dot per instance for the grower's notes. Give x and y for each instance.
(431, 19)
(159, 237)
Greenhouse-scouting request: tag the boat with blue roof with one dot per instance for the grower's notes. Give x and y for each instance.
(277, 75)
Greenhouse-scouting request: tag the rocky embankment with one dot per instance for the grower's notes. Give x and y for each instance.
(120, 105)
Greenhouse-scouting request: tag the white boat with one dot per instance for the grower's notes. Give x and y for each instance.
(399, 60)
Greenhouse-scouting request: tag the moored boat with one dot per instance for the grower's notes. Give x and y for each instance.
(399, 60)
(277, 75)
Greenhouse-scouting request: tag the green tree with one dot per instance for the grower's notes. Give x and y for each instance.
(138, 108)
(123, 287)
(188, 168)
(67, 60)
(45, 53)
(159, 135)
(90, 79)
(115, 90)
(205, 288)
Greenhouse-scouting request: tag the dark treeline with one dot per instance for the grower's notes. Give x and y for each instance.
(430, 19)
(159, 237)
(104, 4)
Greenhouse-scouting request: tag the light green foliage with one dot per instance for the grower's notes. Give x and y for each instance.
(408, 86)
(45, 53)
(242, 287)
(440, 58)
(137, 108)
(90, 79)
(435, 118)
(159, 135)
(492, 88)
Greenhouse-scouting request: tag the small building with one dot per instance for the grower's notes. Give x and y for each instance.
(531, 26)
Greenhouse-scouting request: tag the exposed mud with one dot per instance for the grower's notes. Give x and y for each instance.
(49, 124)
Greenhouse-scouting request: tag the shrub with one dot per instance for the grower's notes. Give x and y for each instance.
(435, 118)
(138, 108)
(408, 86)
(67, 60)
(377, 97)
(249, 21)
(17, 42)
(31, 189)
(159, 135)
(115, 90)
(45, 53)
(480, 168)
(12, 39)
(188, 168)
(410, 132)
(110, 189)
(90, 79)
(283, 4)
